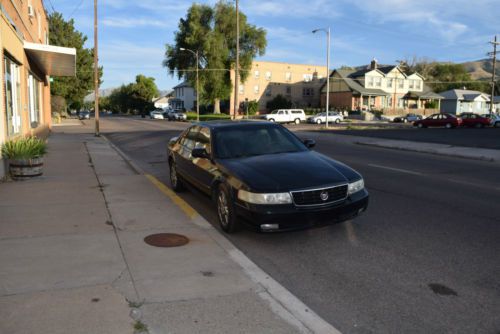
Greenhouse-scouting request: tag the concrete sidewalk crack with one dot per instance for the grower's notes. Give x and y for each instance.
(115, 230)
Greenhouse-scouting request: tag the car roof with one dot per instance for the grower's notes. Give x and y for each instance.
(236, 123)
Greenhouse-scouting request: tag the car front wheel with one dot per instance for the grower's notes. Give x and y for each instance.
(225, 210)
(448, 126)
(297, 121)
(176, 184)
(337, 121)
(420, 125)
(271, 120)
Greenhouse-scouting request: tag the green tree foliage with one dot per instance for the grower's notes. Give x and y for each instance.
(279, 102)
(135, 97)
(211, 31)
(73, 89)
(453, 76)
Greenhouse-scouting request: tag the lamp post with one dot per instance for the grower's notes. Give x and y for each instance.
(197, 83)
(327, 31)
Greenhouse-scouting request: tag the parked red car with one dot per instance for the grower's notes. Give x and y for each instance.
(475, 120)
(444, 120)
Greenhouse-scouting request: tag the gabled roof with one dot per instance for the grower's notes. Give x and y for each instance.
(349, 78)
(425, 94)
(182, 84)
(463, 94)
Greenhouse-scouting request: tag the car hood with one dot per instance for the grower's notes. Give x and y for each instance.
(287, 171)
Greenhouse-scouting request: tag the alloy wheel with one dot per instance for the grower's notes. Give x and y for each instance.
(222, 208)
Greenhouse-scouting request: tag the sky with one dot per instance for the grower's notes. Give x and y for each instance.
(133, 34)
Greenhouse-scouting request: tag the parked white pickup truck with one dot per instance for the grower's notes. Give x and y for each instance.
(286, 116)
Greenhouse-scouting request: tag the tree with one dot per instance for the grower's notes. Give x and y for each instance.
(134, 97)
(73, 89)
(279, 102)
(212, 33)
(448, 76)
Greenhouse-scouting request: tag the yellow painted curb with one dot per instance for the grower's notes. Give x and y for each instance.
(188, 210)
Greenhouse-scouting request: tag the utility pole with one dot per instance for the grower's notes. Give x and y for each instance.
(494, 53)
(237, 64)
(96, 74)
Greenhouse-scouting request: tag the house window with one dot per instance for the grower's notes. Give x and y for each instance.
(241, 89)
(288, 76)
(389, 82)
(256, 74)
(411, 84)
(378, 82)
(268, 91)
(418, 84)
(256, 89)
(288, 90)
(34, 100)
(308, 77)
(370, 82)
(12, 96)
(401, 83)
(308, 92)
(268, 75)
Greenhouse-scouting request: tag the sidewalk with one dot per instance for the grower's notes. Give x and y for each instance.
(74, 260)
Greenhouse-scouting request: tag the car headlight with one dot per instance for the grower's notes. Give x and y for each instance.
(258, 198)
(356, 186)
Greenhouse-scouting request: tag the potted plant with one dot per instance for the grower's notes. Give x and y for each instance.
(25, 157)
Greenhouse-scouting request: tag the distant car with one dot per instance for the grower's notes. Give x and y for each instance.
(84, 114)
(495, 119)
(333, 117)
(474, 120)
(407, 118)
(286, 116)
(177, 115)
(439, 120)
(156, 114)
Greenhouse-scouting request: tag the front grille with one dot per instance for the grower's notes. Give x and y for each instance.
(313, 197)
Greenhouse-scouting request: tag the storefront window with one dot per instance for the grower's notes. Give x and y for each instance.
(34, 100)
(12, 96)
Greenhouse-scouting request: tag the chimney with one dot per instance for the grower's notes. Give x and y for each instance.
(373, 64)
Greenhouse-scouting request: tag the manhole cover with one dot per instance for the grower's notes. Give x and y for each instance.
(166, 240)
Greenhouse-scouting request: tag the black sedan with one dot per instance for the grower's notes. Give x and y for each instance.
(262, 174)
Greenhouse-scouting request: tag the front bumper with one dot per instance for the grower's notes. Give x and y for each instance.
(290, 217)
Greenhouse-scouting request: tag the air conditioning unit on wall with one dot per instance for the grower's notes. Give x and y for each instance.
(31, 11)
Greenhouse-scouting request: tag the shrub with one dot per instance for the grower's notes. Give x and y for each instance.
(279, 102)
(431, 104)
(24, 148)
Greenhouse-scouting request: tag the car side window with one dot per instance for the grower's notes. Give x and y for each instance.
(203, 140)
(188, 141)
(280, 112)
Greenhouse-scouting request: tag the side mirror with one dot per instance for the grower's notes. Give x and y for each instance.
(200, 153)
(310, 143)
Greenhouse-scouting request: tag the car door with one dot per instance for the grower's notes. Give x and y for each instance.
(432, 120)
(204, 170)
(183, 158)
(280, 117)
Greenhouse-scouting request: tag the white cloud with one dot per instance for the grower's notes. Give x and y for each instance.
(291, 8)
(126, 22)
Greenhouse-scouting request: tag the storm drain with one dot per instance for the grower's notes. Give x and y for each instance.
(166, 240)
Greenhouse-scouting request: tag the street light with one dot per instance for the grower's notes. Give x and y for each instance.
(327, 30)
(197, 83)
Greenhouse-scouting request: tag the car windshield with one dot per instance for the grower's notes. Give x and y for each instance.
(254, 140)
(274, 111)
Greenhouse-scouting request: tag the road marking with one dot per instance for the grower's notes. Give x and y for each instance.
(188, 210)
(396, 169)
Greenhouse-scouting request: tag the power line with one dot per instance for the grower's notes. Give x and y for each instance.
(52, 6)
(76, 8)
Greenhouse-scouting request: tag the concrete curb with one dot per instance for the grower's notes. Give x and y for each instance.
(282, 302)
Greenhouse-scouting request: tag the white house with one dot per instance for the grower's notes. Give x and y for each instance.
(185, 97)
(457, 101)
(163, 102)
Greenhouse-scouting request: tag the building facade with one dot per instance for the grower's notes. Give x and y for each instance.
(385, 88)
(27, 62)
(185, 97)
(298, 83)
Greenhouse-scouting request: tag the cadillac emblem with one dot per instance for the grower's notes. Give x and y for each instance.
(323, 196)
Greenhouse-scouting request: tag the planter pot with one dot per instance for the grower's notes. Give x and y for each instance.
(22, 169)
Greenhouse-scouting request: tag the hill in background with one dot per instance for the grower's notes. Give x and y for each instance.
(481, 69)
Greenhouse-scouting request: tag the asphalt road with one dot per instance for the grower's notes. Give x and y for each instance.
(424, 258)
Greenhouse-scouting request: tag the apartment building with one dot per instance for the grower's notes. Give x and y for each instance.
(299, 83)
(28, 61)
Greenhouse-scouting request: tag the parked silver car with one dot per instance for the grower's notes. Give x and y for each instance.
(333, 117)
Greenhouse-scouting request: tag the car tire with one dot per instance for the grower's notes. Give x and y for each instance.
(479, 125)
(175, 182)
(405, 120)
(318, 122)
(297, 121)
(448, 126)
(337, 121)
(271, 120)
(420, 125)
(225, 210)
(497, 124)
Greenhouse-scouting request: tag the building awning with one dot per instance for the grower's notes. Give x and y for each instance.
(52, 60)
